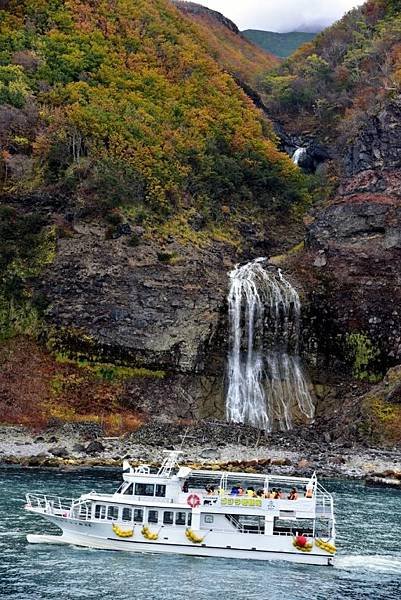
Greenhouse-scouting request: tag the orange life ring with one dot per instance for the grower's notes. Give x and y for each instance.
(193, 501)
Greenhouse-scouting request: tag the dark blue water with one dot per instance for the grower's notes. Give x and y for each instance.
(368, 566)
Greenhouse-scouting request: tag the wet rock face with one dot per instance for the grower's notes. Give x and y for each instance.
(377, 145)
(148, 306)
(355, 258)
(370, 220)
(162, 308)
(352, 265)
(178, 397)
(315, 153)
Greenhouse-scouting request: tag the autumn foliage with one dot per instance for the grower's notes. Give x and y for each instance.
(244, 60)
(91, 88)
(36, 390)
(350, 69)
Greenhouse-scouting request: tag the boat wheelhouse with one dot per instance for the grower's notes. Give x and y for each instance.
(198, 513)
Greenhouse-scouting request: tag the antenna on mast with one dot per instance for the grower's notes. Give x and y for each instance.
(184, 437)
(168, 463)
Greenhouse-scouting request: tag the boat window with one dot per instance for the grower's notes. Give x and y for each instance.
(247, 523)
(209, 518)
(144, 489)
(292, 526)
(84, 511)
(153, 516)
(138, 515)
(287, 514)
(160, 490)
(189, 519)
(112, 513)
(180, 518)
(127, 514)
(129, 490)
(100, 511)
(168, 517)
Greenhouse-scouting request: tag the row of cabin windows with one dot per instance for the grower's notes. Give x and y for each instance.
(146, 489)
(136, 515)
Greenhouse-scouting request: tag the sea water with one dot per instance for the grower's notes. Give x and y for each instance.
(368, 564)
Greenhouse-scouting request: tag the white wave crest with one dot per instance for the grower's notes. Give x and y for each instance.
(375, 562)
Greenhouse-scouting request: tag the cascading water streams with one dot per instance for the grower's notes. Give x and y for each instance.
(298, 155)
(265, 377)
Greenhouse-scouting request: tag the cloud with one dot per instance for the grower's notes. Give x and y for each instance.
(282, 15)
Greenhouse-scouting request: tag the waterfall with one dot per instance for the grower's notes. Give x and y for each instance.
(298, 155)
(265, 376)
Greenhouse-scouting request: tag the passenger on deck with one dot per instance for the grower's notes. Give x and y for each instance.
(241, 491)
(278, 495)
(250, 492)
(309, 492)
(260, 494)
(293, 495)
(185, 487)
(272, 494)
(234, 490)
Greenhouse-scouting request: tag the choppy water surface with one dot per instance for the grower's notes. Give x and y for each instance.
(369, 564)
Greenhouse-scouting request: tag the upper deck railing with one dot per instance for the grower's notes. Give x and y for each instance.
(324, 503)
(48, 504)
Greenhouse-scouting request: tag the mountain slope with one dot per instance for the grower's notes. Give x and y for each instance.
(342, 69)
(243, 59)
(136, 94)
(134, 172)
(278, 44)
(343, 91)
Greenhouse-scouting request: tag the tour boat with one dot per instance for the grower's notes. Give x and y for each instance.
(176, 509)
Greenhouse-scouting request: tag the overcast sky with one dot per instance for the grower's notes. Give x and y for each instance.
(282, 15)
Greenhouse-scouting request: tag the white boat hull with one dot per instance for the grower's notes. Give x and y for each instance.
(212, 550)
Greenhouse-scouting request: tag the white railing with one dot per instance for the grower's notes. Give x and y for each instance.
(324, 505)
(49, 504)
(59, 507)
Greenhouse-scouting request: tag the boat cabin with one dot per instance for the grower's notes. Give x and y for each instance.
(244, 502)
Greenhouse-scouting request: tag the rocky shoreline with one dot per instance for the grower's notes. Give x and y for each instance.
(212, 445)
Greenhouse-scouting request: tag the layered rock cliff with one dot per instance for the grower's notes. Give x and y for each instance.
(350, 267)
(134, 174)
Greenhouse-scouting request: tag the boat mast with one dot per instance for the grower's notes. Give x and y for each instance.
(169, 462)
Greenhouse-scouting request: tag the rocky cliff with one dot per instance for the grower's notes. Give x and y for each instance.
(134, 174)
(350, 267)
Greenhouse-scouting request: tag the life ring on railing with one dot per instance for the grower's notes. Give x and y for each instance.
(193, 501)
